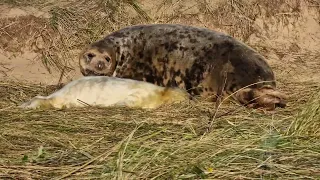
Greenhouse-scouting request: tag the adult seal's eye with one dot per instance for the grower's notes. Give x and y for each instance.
(89, 57)
(107, 59)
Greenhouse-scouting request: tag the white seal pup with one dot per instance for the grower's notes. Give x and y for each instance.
(106, 91)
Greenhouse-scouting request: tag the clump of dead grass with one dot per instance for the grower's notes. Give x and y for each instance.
(307, 122)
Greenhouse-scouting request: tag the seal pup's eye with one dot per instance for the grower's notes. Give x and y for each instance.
(107, 59)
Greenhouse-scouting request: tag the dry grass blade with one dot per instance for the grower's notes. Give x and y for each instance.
(134, 4)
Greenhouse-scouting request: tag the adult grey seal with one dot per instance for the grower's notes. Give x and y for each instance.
(200, 60)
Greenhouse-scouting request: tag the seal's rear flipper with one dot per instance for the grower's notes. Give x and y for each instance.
(265, 97)
(37, 102)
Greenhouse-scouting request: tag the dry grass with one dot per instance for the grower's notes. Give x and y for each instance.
(167, 143)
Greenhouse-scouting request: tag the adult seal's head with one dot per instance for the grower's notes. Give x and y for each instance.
(97, 60)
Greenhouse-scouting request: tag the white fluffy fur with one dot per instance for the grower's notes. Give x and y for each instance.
(108, 91)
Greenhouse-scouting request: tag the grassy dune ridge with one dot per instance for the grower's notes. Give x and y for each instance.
(171, 142)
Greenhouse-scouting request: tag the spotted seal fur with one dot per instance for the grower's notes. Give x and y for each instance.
(106, 91)
(200, 60)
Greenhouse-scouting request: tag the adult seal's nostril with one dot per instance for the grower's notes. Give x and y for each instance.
(100, 65)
